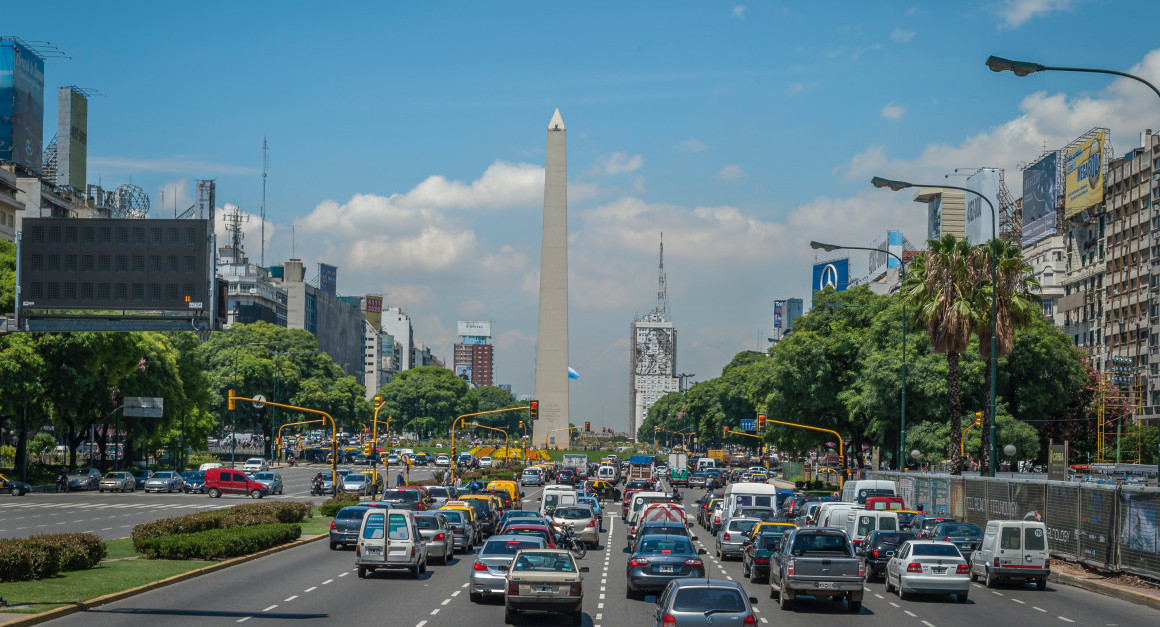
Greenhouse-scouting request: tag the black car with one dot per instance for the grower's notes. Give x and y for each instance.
(880, 547)
(194, 481)
(566, 477)
(966, 536)
(15, 488)
(923, 523)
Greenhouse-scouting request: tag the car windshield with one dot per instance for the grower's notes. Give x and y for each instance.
(893, 538)
(551, 562)
(401, 495)
(936, 550)
(508, 547)
(961, 529)
(426, 522)
(197, 476)
(769, 542)
(664, 545)
(265, 476)
(819, 542)
(742, 525)
(438, 491)
(638, 485)
(454, 518)
(573, 513)
(699, 599)
(527, 532)
(350, 513)
(351, 478)
(113, 475)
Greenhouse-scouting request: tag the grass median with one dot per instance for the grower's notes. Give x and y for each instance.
(122, 569)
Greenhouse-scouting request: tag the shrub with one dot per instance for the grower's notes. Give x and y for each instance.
(219, 543)
(76, 551)
(331, 506)
(246, 515)
(22, 560)
(283, 511)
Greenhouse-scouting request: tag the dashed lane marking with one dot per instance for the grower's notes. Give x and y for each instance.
(420, 623)
(879, 595)
(996, 593)
(910, 614)
(311, 589)
(456, 593)
(327, 581)
(270, 608)
(434, 611)
(290, 598)
(1038, 608)
(1065, 619)
(599, 606)
(343, 574)
(764, 620)
(465, 585)
(928, 623)
(1019, 602)
(242, 620)
(445, 601)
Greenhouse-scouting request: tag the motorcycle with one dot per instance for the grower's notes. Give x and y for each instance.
(569, 542)
(316, 488)
(291, 462)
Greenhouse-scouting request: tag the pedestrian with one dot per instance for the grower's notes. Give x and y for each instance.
(399, 480)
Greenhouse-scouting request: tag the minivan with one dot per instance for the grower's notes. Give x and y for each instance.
(858, 491)
(608, 473)
(1012, 550)
(556, 496)
(389, 539)
(219, 481)
(860, 522)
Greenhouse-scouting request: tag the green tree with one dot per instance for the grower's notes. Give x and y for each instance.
(7, 277)
(21, 368)
(42, 444)
(424, 399)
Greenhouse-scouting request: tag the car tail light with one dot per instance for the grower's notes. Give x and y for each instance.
(575, 590)
(669, 621)
(694, 563)
(420, 506)
(874, 553)
(726, 535)
(457, 530)
(947, 539)
(961, 569)
(333, 525)
(861, 568)
(638, 561)
(412, 550)
(513, 587)
(996, 562)
(789, 566)
(761, 560)
(479, 566)
(357, 550)
(914, 567)
(749, 620)
(591, 523)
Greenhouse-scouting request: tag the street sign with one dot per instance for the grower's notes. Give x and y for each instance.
(259, 401)
(144, 407)
(749, 425)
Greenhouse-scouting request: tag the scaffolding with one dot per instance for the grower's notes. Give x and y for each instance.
(1122, 395)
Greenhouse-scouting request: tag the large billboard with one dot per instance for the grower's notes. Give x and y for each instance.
(978, 220)
(778, 312)
(72, 124)
(328, 278)
(463, 372)
(474, 328)
(21, 105)
(834, 274)
(1040, 190)
(373, 309)
(1083, 181)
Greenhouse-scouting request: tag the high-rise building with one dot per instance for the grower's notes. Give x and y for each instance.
(10, 205)
(552, 329)
(474, 360)
(336, 324)
(397, 325)
(784, 313)
(251, 295)
(652, 356)
(946, 211)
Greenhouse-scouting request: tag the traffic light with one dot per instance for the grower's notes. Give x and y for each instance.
(521, 424)
(761, 423)
(726, 430)
(534, 410)
(978, 419)
(232, 405)
(587, 427)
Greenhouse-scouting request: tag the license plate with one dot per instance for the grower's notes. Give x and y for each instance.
(938, 571)
(666, 569)
(541, 589)
(374, 549)
(826, 585)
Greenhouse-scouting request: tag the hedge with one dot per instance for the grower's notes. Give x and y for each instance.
(246, 515)
(331, 505)
(219, 543)
(77, 551)
(21, 560)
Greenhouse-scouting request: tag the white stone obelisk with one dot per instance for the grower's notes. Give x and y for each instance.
(552, 334)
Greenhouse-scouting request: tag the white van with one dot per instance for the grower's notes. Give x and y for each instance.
(608, 473)
(858, 491)
(206, 466)
(746, 494)
(705, 463)
(1013, 550)
(860, 522)
(389, 539)
(556, 496)
(834, 514)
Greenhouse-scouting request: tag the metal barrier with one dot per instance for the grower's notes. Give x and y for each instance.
(1112, 527)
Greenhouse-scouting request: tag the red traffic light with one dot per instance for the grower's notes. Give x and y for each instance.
(534, 410)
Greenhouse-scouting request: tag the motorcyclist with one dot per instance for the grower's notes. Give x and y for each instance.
(474, 486)
(290, 459)
(675, 495)
(316, 483)
(62, 480)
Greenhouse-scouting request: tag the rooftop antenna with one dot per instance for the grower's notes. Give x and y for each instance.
(265, 169)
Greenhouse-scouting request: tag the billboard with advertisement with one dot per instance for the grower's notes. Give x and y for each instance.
(474, 328)
(1083, 180)
(328, 278)
(72, 124)
(1040, 190)
(373, 310)
(463, 372)
(834, 274)
(978, 220)
(21, 105)
(778, 312)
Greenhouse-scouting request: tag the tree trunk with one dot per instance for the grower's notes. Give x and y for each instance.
(985, 428)
(22, 450)
(956, 413)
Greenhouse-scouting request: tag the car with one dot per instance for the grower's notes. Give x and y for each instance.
(255, 464)
(594, 503)
(84, 479)
(164, 481)
(272, 480)
(489, 572)
(436, 534)
(818, 562)
(879, 547)
(732, 535)
(463, 535)
(658, 527)
(440, 494)
(219, 481)
(193, 481)
(485, 462)
(422, 459)
(693, 602)
(602, 489)
(928, 567)
(140, 477)
(532, 476)
(392, 460)
(505, 497)
(13, 487)
(659, 559)
(966, 536)
(535, 530)
(582, 520)
(698, 480)
(922, 524)
(443, 461)
(544, 580)
(1012, 550)
(525, 519)
(566, 476)
(345, 526)
(389, 539)
(117, 482)
(756, 553)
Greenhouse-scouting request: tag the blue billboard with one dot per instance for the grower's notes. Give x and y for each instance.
(328, 278)
(1040, 189)
(21, 105)
(834, 274)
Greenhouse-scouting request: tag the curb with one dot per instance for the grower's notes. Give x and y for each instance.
(1099, 587)
(80, 606)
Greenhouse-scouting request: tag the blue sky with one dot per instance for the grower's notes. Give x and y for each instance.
(407, 141)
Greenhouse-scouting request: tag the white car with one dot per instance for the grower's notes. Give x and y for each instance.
(255, 464)
(928, 567)
(443, 461)
(485, 462)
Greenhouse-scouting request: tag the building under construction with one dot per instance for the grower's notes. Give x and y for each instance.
(652, 356)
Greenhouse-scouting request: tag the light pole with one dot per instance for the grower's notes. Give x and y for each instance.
(277, 378)
(233, 414)
(901, 279)
(900, 185)
(1023, 68)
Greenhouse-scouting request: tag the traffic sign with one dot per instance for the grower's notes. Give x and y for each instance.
(259, 401)
(748, 425)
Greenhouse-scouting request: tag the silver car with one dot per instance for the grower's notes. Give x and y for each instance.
(437, 535)
(164, 481)
(272, 481)
(695, 602)
(356, 483)
(582, 520)
(489, 572)
(84, 479)
(116, 481)
(732, 535)
(928, 566)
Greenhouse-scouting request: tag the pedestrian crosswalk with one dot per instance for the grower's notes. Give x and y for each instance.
(82, 506)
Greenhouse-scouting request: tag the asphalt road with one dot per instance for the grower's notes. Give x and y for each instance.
(314, 584)
(112, 514)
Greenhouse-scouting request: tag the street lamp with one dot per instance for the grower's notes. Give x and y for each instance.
(901, 278)
(1023, 68)
(894, 185)
(1009, 451)
(915, 454)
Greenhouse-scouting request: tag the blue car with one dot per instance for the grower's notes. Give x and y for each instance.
(594, 503)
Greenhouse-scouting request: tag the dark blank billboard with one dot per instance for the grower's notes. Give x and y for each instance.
(130, 264)
(21, 105)
(1040, 189)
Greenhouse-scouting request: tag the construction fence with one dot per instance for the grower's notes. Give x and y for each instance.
(1112, 527)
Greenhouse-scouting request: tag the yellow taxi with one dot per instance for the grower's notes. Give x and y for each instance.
(904, 518)
(758, 477)
(511, 487)
(766, 527)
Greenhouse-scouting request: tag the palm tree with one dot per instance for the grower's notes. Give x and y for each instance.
(1016, 307)
(941, 287)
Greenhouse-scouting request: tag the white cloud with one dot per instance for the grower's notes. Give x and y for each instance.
(691, 145)
(893, 111)
(902, 35)
(739, 11)
(174, 164)
(501, 185)
(732, 173)
(473, 307)
(1016, 12)
(616, 163)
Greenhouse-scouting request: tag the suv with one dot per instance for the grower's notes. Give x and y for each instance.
(219, 481)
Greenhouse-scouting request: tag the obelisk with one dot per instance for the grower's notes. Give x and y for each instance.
(552, 333)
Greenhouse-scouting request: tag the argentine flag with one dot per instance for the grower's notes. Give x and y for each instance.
(572, 374)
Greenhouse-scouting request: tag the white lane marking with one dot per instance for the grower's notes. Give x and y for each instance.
(996, 593)
(602, 588)
(311, 589)
(434, 611)
(927, 623)
(456, 593)
(1019, 602)
(605, 580)
(242, 620)
(910, 614)
(601, 596)
(599, 616)
(763, 620)
(421, 623)
(270, 608)
(327, 581)
(445, 601)
(599, 606)
(343, 574)
(1038, 608)
(727, 576)
(465, 585)
(1065, 619)
(290, 598)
